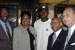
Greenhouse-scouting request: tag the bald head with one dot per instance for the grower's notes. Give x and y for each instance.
(56, 23)
(58, 19)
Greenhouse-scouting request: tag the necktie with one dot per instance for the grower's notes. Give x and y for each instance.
(50, 41)
(7, 29)
(67, 38)
(53, 39)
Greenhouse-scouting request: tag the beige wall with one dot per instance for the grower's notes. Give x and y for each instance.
(51, 10)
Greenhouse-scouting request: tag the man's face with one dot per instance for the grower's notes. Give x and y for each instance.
(56, 24)
(25, 20)
(68, 17)
(4, 14)
(44, 14)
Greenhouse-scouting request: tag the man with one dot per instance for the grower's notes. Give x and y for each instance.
(69, 21)
(5, 31)
(43, 29)
(57, 38)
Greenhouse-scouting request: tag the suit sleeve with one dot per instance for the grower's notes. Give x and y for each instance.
(48, 46)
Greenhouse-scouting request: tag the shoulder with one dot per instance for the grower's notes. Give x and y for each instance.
(49, 20)
(17, 28)
(39, 20)
(50, 34)
(11, 24)
(31, 28)
(64, 30)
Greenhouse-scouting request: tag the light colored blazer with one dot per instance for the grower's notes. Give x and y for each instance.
(21, 40)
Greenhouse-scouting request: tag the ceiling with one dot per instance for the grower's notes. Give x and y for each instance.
(23, 3)
(51, 1)
(26, 2)
(72, 2)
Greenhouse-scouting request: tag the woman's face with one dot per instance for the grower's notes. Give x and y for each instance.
(25, 20)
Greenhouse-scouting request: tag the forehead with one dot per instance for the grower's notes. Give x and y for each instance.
(25, 16)
(68, 10)
(43, 10)
(56, 20)
(3, 9)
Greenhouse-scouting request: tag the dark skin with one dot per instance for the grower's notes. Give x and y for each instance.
(25, 21)
(4, 14)
(44, 15)
(56, 24)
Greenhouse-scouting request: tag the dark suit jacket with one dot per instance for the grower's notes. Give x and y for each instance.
(71, 43)
(5, 43)
(59, 43)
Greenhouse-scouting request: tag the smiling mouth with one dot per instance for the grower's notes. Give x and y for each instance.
(4, 17)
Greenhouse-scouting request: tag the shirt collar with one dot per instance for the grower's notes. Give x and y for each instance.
(3, 22)
(72, 28)
(58, 32)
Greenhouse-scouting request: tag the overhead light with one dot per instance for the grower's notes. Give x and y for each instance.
(43, 6)
(36, 10)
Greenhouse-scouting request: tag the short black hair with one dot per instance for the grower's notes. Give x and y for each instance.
(26, 12)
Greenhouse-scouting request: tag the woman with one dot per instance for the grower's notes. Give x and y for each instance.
(24, 34)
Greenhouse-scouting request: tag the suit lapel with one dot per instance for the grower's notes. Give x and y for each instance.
(49, 42)
(2, 30)
(71, 39)
(59, 43)
(60, 36)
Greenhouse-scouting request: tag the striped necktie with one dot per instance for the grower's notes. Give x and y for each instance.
(7, 29)
(53, 39)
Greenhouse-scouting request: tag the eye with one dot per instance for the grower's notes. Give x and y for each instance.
(67, 14)
(54, 23)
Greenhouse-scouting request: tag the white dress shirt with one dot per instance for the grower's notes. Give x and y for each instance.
(72, 29)
(57, 34)
(68, 37)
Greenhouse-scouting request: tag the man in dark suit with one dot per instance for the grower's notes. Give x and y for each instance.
(5, 30)
(58, 35)
(69, 21)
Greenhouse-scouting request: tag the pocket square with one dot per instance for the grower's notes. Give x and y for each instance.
(72, 43)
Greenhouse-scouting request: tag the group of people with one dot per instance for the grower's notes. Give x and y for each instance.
(47, 34)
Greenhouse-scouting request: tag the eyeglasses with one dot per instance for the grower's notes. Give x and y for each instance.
(54, 23)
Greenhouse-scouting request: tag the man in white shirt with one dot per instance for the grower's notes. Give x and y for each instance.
(43, 29)
(69, 21)
(57, 38)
